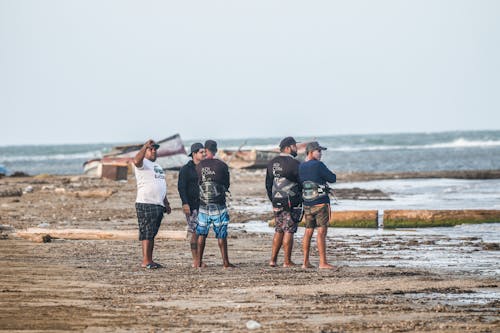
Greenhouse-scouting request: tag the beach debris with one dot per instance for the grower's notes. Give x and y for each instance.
(43, 225)
(28, 189)
(357, 193)
(93, 193)
(19, 174)
(5, 230)
(11, 192)
(42, 176)
(60, 190)
(253, 325)
(35, 234)
(491, 246)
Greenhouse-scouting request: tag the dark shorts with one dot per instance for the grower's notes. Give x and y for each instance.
(213, 214)
(192, 221)
(317, 216)
(149, 218)
(287, 221)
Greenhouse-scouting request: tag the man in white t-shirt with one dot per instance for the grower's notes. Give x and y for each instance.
(151, 200)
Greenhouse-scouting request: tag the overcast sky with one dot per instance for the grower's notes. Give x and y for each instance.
(124, 71)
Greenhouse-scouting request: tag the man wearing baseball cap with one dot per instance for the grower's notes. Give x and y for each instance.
(189, 192)
(284, 191)
(314, 177)
(213, 178)
(151, 201)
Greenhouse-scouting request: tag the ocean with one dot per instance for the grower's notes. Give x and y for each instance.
(460, 150)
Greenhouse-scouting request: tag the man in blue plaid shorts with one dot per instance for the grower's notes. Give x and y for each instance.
(151, 201)
(213, 177)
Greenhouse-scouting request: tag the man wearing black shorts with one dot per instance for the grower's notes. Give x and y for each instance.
(284, 191)
(151, 201)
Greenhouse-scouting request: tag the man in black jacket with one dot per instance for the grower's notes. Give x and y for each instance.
(284, 190)
(189, 192)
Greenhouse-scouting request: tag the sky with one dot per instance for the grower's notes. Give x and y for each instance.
(126, 71)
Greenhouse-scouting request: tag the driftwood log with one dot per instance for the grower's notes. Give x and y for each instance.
(409, 218)
(45, 235)
(11, 192)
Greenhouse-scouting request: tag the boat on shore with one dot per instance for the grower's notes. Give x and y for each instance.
(171, 155)
(254, 158)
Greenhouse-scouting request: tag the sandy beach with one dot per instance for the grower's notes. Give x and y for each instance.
(98, 285)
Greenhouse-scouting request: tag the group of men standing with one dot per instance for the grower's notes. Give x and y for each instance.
(299, 190)
(295, 189)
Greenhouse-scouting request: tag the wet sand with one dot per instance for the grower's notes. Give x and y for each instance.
(98, 285)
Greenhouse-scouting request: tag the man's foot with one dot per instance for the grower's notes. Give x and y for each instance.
(272, 263)
(151, 265)
(289, 264)
(229, 266)
(203, 265)
(307, 266)
(327, 266)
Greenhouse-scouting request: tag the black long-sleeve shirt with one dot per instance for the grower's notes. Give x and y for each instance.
(188, 187)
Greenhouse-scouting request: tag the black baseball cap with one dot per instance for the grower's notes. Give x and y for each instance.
(314, 145)
(286, 142)
(211, 145)
(195, 147)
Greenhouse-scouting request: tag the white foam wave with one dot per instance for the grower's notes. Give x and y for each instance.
(34, 158)
(458, 143)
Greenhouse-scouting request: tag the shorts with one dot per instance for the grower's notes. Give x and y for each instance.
(287, 221)
(149, 218)
(317, 215)
(192, 220)
(216, 214)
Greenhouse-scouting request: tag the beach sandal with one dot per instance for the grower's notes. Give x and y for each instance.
(153, 265)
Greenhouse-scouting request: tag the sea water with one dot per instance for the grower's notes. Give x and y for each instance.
(461, 150)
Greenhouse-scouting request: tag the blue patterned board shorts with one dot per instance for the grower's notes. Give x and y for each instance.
(216, 214)
(149, 218)
(192, 220)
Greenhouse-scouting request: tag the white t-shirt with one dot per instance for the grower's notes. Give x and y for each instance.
(151, 184)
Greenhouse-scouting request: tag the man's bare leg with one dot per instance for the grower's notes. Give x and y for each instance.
(194, 247)
(201, 248)
(147, 252)
(287, 247)
(277, 241)
(321, 240)
(223, 251)
(306, 244)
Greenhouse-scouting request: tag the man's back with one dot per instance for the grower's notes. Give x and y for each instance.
(215, 171)
(281, 166)
(317, 172)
